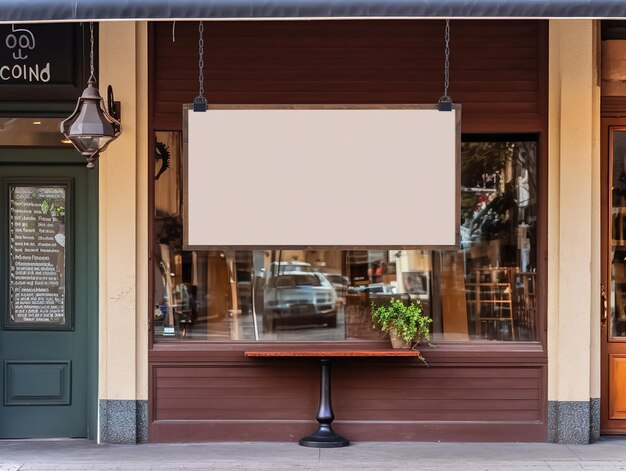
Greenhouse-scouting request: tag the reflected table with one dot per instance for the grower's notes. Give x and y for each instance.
(324, 436)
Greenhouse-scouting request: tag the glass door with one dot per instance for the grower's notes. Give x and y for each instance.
(614, 298)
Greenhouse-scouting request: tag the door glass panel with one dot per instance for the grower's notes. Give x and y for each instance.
(39, 132)
(36, 256)
(618, 242)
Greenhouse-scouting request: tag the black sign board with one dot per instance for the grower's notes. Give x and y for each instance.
(42, 62)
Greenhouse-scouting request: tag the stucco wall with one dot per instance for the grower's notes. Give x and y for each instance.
(123, 218)
(574, 213)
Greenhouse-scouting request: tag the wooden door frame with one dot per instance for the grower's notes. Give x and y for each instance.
(606, 126)
(65, 156)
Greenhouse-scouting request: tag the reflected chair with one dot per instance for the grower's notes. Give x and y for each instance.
(493, 302)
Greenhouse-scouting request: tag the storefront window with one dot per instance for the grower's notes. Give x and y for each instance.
(484, 291)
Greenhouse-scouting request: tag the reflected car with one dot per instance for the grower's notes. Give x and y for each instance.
(340, 283)
(299, 299)
(372, 288)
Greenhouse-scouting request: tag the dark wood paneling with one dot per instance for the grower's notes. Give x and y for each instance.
(495, 67)
(292, 431)
(209, 391)
(613, 106)
(373, 399)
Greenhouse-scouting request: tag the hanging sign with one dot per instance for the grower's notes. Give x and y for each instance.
(321, 177)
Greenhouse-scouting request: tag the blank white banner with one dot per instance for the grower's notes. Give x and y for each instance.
(322, 178)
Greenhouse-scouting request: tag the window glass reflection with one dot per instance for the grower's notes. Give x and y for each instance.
(483, 291)
(618, 241)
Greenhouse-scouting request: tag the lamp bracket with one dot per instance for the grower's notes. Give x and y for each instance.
(114, 108)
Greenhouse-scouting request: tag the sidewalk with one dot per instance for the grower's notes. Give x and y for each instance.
(609, 454)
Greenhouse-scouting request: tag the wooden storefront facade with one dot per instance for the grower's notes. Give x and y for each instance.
(470, 391)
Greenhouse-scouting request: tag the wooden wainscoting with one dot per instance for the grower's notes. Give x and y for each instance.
(221, 395)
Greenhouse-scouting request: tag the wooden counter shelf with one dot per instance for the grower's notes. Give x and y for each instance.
(325, 437)
(332, 353)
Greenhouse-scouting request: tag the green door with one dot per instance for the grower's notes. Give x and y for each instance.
(47, 295)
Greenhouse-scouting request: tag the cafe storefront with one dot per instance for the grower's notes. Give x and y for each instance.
(510, 304)
(219, 303)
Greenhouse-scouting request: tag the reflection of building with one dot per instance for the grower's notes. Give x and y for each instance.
(517, 310)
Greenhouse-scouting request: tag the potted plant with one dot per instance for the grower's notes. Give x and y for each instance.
(405, 324)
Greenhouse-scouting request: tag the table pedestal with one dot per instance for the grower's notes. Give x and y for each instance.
(324, 437)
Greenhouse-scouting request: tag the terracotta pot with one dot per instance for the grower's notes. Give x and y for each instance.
(396, 341)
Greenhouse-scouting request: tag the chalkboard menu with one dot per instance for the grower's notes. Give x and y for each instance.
(37, 271)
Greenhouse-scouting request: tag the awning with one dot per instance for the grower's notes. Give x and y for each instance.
(25, 11)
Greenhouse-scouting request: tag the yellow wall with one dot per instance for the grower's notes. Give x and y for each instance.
(123, 217)
(573, 213)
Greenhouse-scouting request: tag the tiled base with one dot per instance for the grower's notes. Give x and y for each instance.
(142, 421)
(123, 421)
(574, 421)
(594, 433)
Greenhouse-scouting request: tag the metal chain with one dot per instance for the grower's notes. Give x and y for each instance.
(446, 79)
(446, 67)
(91, 68)
(199, 102)
(201, 60)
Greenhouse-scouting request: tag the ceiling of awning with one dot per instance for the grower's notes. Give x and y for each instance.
(25, 11)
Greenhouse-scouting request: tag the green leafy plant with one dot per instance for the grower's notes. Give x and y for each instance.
(408, 322)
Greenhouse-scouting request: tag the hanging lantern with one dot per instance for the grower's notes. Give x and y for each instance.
(91, 128)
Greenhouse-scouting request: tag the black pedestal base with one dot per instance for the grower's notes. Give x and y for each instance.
(324, 438)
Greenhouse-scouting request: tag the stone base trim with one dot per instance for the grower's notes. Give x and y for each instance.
(142, 421)
(123, 421)
(595, 420)
(574, 421)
